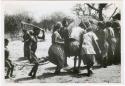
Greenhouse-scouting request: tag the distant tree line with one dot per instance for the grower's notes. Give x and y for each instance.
(13, 25)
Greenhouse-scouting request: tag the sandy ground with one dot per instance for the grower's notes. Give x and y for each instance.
(45, 74)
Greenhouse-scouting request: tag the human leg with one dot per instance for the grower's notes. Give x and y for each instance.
(89, 63)
(9, 66)
(33, 71)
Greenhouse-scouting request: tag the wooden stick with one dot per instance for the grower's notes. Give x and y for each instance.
(25, 23)
(113, 13)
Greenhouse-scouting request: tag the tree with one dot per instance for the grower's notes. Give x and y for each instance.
(99, 10)
(48, 21)
(13, 24)
(79, 8)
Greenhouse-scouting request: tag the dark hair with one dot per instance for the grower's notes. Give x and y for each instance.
(36, 29)
(64, 22)
(29, 20)
(90, 28)
(101, 24)
(57, 26)
(6, 41)
(108, 24)
(82, 25)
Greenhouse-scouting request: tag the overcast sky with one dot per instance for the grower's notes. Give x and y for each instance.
(42, 8)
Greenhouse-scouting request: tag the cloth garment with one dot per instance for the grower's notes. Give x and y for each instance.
(56, 50)
(87, 50)
(87, 44)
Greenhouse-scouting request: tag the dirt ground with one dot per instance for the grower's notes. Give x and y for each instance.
(45, 74)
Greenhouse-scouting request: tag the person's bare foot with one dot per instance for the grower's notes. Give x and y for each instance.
(6, 77)
(89, 73)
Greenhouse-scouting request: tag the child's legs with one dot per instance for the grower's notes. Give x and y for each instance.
(90, 59)
(9, 66)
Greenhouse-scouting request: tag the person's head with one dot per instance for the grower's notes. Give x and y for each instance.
(29, 20)
(64, 22)
(36, 31)
(90, 28)
(108, 24)
(6, 41)
(101, 25)
(82, 24)
(57, 26)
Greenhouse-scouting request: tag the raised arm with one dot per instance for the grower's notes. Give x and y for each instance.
(96, 43)
(31, 36)
(43, 37)
(97, 46)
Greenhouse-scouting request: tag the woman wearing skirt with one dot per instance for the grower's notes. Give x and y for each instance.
(56, 51)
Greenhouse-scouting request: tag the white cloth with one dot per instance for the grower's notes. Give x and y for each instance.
(87, 45)
(76, 33)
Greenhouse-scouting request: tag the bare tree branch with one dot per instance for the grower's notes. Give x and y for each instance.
(92, 7)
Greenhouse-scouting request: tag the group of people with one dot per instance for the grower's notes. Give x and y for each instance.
(103, 43)
(109, 41)
(89, 44)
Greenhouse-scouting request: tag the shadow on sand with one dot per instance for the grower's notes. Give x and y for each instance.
(50, 68)
(21, 59)
(68, 72)
(22, 79)
(48, 75)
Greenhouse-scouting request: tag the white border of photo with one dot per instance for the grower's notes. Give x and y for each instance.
(2, 81)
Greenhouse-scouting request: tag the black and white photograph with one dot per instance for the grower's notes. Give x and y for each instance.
(62, 42)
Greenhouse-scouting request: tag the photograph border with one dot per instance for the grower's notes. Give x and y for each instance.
(65, 84)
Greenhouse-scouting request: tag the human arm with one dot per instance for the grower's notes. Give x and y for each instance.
(95, 38)
(43, 36)
(31, 36)
(99, 50)
(58, 38)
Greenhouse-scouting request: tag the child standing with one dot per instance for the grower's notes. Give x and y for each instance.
(8, 62)
(88, 51)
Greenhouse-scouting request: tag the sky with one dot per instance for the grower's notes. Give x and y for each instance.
(39, 9)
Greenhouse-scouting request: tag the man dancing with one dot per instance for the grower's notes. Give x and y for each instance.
(32, 46)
